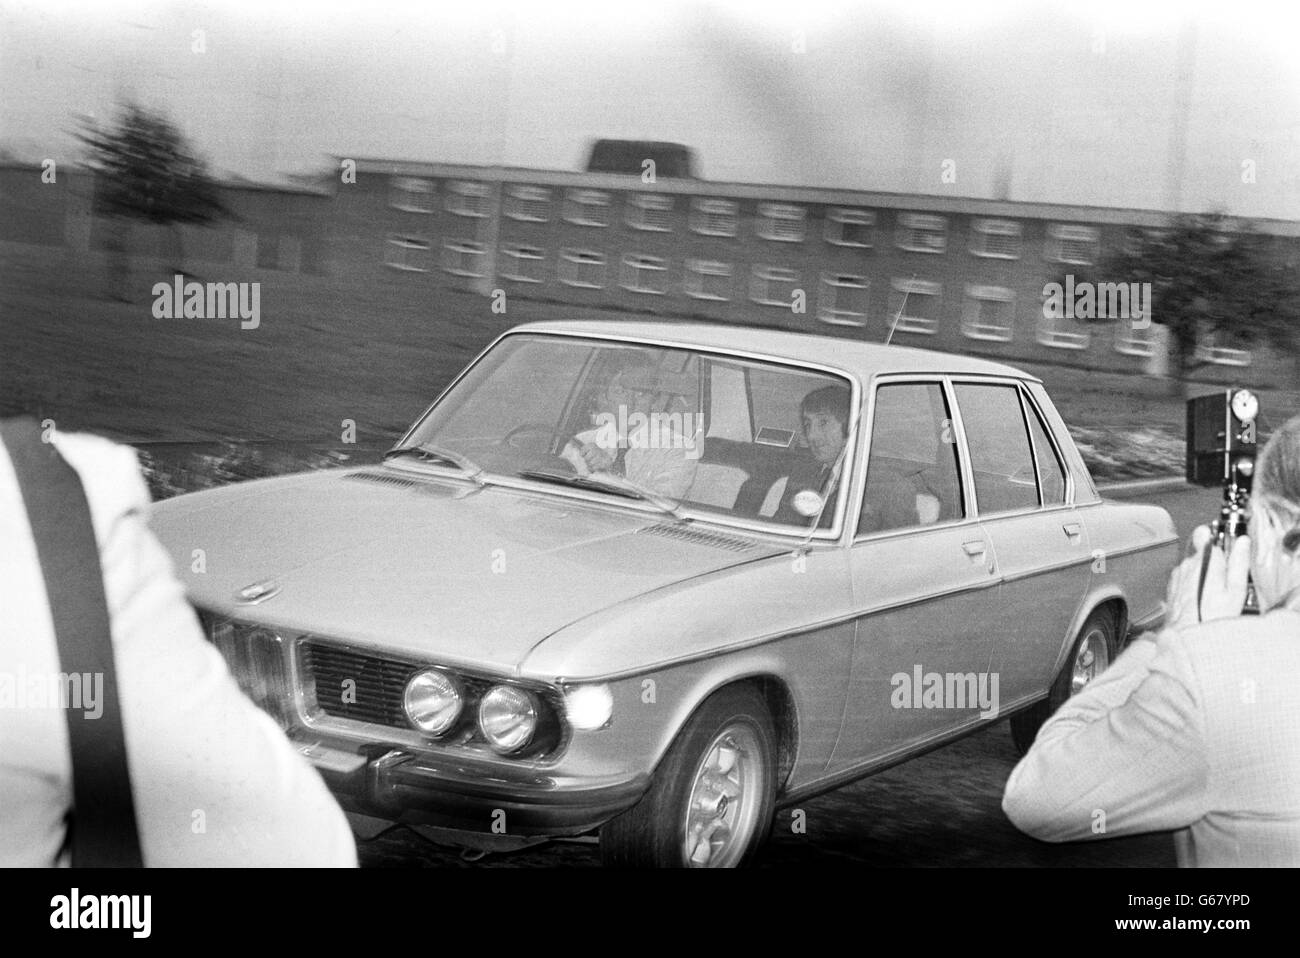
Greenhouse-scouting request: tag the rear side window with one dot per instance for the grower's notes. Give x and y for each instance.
(1051, 474)
(1002, 461)
(913, 478)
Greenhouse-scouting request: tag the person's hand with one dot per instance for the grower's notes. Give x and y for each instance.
(1225, 583)
(597, 459)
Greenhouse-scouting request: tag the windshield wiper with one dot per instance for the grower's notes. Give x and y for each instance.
(426, 452)
(607, 482)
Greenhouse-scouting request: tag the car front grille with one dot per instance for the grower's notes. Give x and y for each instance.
(355, 685)
(344, 682)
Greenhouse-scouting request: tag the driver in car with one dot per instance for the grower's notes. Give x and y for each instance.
(639, 433)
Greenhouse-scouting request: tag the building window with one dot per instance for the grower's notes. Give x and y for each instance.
(1210, 350)
(1072, 244)
(411, 195)
(711, 217)
(409, 253)
(1133, 341)
(996, 239)
(583, 268)
(707, 279)
(914, 306)
(989, 313)
(850, 227)
(644, 274)
(842, 299)
(650, 211)
(463, 257)
(586, 208)
(1138, 240)
(922, 233)
(466, 198)
(781, 222)
(1061, 333)
(523, 264)
(773, 286)
(528, 204)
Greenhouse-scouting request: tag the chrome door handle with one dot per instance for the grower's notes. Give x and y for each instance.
(1072, 529)
(976, 548)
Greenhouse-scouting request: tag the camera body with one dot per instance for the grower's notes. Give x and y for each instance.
(1222, 443)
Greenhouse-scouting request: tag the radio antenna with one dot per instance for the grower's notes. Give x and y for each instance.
(901, 306)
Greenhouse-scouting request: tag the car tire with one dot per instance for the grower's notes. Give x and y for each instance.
(711, 801)
(1092, 652)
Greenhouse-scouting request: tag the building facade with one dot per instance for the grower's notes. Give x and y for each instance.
(952, 274)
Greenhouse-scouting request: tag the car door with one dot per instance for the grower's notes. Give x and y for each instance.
(924, 581)
(1041, 544)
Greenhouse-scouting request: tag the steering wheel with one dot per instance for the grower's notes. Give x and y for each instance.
(546, 458)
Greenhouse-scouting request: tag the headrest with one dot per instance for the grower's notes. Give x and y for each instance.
(653, 380)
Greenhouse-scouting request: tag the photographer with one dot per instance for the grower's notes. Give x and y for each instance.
(1196, 728)
(208, 779)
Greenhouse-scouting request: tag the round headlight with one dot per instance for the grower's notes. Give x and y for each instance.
(508, 718)
(432, 701)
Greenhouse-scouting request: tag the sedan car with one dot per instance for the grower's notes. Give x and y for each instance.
(656, 580)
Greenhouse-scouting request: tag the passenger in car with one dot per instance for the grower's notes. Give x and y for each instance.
(642, 422)
(824, 417)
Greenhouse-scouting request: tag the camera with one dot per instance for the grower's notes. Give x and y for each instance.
(1221, 448)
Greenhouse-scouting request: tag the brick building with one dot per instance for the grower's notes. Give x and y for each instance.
(953, 274)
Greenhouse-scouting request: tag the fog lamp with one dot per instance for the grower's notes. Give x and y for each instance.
(588, 707)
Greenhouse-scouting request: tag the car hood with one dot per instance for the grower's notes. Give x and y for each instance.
(433, 568)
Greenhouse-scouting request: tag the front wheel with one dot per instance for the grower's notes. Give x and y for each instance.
(711, 802)
(1092, 653)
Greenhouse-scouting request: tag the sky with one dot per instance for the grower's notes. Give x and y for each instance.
(1156, 105)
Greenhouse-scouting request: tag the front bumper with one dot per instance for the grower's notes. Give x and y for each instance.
(417, 789)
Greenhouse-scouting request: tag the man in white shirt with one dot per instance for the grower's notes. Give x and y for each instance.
(215, 782)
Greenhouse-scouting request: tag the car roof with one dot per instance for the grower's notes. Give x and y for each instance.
(866, 359)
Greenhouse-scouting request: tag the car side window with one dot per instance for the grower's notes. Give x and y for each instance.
(1051, 474)
(913, 476)
(1001, 459)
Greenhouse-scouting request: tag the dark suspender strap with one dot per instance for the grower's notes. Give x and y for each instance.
(102, 828)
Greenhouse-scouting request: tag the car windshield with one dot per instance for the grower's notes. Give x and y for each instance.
(680, 429)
